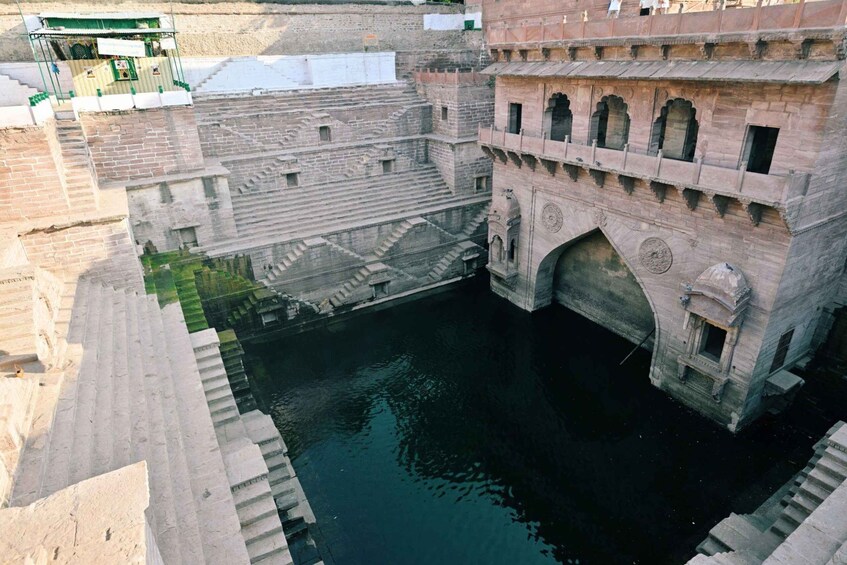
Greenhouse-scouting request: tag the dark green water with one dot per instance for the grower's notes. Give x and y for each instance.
(459, 429)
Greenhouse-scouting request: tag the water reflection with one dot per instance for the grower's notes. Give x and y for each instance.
(459, 429)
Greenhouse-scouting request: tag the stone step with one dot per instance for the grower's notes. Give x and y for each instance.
(213, 501)
(268, 237)
(82, 368)
(184, 538)
(35, 454)
(265, 528)
(97, 385)
(259, 510)
(334, 220)
(337, 194)
(248, 494)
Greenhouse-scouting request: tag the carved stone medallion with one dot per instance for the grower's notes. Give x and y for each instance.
(655, 255)
(551, 217)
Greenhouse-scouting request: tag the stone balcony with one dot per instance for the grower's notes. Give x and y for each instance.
(550, 29)
(695, 181)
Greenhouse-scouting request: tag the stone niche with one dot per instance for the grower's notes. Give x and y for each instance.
(715, 305)
(504, 222)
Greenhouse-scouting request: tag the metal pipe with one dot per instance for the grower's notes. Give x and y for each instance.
(637, 346)
(31, 46)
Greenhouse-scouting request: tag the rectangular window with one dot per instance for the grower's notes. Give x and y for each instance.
(325, 134)
(759, 147)
(292, 180)
(444, 113)
(269, 318)
(515, 111)
(644, 12)
(188, 237)
(388, 166)
(380, 289)
(481, 184)
(711, 344)
(782, 350)
(209, 187)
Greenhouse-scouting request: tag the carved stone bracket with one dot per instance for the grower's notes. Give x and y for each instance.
(628, 183)
(690, 196)
(529, 160)
(659, 190)
(707, 49)
(515, 158)
(598, 176)
(500, 154)
(550, 166)
(754, 210)
(572, 170)
(488, 152)
(840, 45)
(720, 203)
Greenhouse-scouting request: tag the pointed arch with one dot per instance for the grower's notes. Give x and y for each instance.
(558, 118)
(610, 123)
(675, 130)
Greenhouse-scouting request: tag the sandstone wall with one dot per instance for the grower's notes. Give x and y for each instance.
(143, 143)
(99, 250)
(697, 239)
(244, 28)
(157, 211)
(31, 184)
(722, 111)
(245, 125)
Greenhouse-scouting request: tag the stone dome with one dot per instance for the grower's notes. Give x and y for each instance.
(505, 206)
(724, 283)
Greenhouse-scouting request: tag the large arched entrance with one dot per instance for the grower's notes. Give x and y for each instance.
(590, 278)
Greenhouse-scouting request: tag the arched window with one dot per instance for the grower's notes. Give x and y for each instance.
(675, 131)
(512, 251)
(497, 248)
(610, 123)
(558, 117)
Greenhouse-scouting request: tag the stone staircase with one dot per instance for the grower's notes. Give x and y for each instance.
(296, 253)
(753, 538)
(460, 248)
(291, 503)
(396, 235)
(210, 108)
(79, 176)
(13, 92)
(277, 216)
(231, 355)
(825, 472)
(213, 375)
(132, 391)
(267, 172)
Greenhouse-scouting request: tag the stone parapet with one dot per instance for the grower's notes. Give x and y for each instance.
(99, 520)
(691, 179)
(548, 24)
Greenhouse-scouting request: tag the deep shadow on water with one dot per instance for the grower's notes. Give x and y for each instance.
(459, 429)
